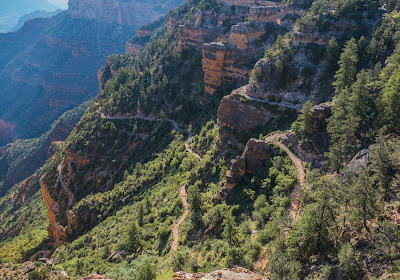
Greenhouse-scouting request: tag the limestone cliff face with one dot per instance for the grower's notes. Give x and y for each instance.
(55, 230)
(272, 13)
(241, 116)
(224, 64)
(135, 13)
(193, 36)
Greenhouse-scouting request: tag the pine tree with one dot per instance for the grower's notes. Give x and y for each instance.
(230, 231)
(133, 242)
(146, 272)
(361, 99)
(346, 74)
(333, 52)
(365, 199)
(342, 128)
(302, 127)
(390, 103)
(195, 202)
(140, 214)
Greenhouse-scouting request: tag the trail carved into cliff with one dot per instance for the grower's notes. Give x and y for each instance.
(176, 229)
(242, 91)
(174, 123)
(301, 173)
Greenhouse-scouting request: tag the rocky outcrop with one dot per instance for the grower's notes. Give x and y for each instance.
(143, 33)
(253, 157)
(272, 13)
(55, 230)
(132, 48)
(171, 22)
(240, 116)
(133, 12)
(224, 64)
(308, 38)
(195, 37)
(237, 273)
(228, 63)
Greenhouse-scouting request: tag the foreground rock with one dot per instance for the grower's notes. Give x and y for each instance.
(236, 273)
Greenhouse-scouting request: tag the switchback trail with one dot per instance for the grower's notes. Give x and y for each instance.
(174, 123)
(176, 229)
(301, 172)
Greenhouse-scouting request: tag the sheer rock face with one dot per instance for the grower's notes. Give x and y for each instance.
(135, 13)
(227, 63)
(241, 116)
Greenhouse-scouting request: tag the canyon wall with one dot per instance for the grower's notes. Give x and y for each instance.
(134, 13)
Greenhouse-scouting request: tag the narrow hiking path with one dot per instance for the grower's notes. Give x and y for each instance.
(190, 151)
(301, 177)
(69, 193)
(174, 123)
(42, 254)
(242, 91)
(275, 138)
(176, 229)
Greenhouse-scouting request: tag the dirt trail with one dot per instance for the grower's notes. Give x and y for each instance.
(190, 149)
(60, 177)
(44, 254)
(243, 91)
(301, 172)
(174, 123)
(176, 229)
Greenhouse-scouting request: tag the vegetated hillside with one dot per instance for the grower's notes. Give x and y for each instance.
(56, 69)
(161, 175)
(20, 159)
(22, 211)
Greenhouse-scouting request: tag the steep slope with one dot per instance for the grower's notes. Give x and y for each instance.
(22, 211)
(295, 204)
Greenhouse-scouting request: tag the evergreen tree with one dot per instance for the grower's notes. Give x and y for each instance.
(333, 52)
(230, 232)
(140, 214)
(365, 199)
(195, 202)
(146, 272)
(361, 99)
(342, 128)
(346, 74)
(281, 267)
(390, 103)
(302, 127)
(133, 242)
